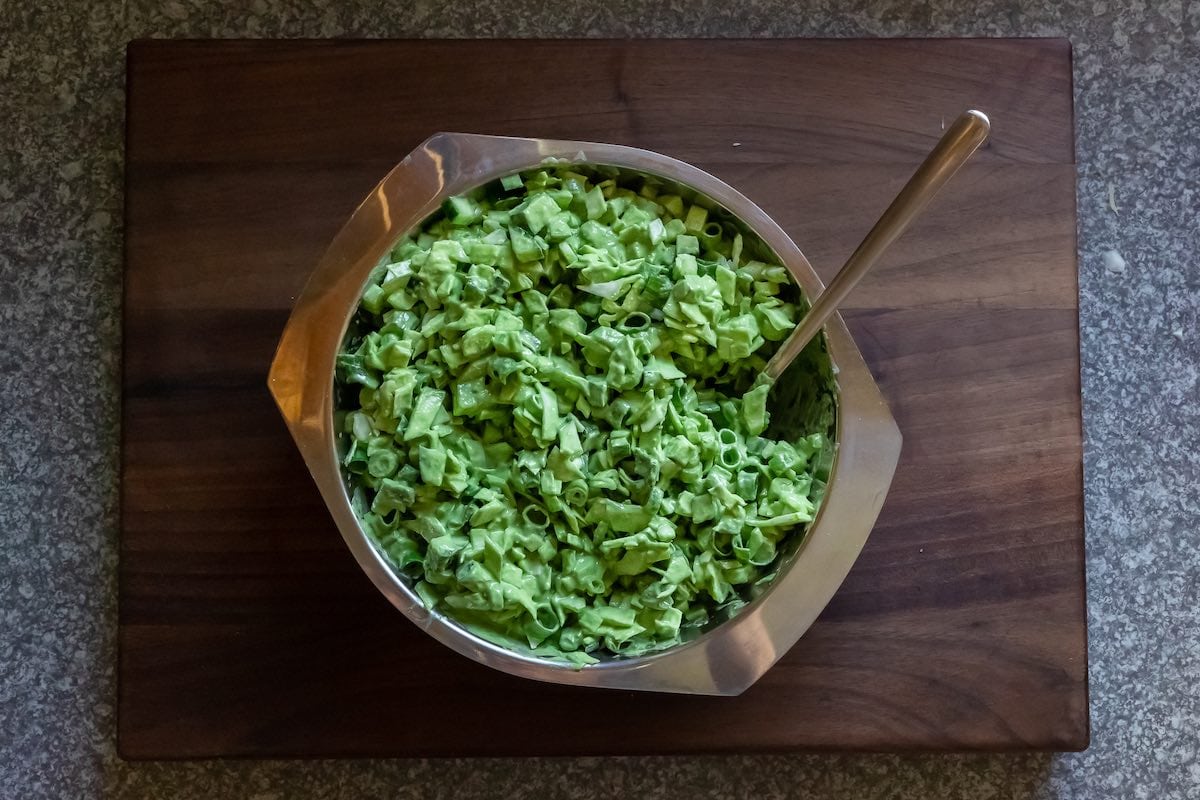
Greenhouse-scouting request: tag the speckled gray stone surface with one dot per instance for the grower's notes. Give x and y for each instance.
(1137, 70)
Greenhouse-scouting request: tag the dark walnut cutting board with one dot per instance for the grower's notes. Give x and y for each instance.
(246, 629)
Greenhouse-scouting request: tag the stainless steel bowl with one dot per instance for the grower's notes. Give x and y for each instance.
(731, 655)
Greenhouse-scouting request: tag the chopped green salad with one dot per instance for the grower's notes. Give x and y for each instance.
(552, 421)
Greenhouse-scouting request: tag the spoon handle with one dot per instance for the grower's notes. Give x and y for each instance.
(956, 145)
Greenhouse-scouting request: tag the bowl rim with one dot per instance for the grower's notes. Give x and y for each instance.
(728, 657)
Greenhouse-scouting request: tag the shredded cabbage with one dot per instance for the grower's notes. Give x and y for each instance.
(551, 419)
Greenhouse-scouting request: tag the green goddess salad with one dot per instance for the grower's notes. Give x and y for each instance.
(552, 422)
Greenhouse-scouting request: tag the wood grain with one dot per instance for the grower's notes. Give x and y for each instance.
(246, 629)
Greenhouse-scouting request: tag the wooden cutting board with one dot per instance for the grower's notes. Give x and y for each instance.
(246, 629)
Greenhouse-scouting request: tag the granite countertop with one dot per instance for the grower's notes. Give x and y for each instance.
(1137, 73)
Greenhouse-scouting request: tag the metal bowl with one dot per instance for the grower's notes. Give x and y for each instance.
(732, 654)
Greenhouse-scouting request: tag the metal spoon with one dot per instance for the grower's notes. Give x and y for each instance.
(956, 145)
